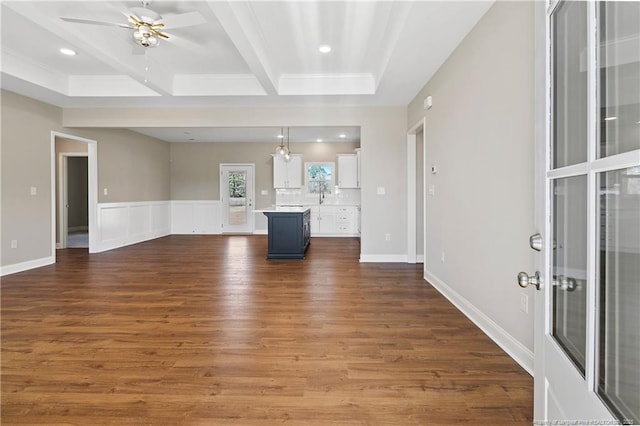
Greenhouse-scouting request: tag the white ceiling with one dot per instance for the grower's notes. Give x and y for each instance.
(239, 53)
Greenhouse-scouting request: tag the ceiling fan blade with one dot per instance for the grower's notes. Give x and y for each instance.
(182, 20)
(184, 43)
(88, 21)
(145, 15)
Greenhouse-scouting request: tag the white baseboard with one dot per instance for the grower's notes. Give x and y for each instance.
(334, 235)
(516, 350)
(383, 258)
(420, 258)
(24, 266)
(260, 232)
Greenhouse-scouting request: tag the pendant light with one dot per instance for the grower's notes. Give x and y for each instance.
(287, 156)
(282, 150)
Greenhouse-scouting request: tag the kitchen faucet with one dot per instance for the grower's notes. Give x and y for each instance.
(321, 193)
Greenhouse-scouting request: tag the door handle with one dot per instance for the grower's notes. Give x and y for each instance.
(565, 283)
(535, 242)
(525, 280)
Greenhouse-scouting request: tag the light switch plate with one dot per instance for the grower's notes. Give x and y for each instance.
(381, 190)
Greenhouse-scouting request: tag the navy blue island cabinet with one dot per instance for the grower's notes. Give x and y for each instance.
(289, 233)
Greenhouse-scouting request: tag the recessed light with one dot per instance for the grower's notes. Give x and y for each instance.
(342, 136)
(610, 118)
(325, 48)
(68, 52)
(318, 140)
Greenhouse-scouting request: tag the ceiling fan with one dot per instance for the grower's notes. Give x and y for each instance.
(148, 26)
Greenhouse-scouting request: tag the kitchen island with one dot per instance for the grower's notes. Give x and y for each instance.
(289, 231)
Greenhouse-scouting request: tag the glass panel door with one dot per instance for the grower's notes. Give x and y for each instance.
(618, 377)
(619, 274)
(238, 201)
(569, 292)
(571, 85)
(619, 82)
(588, 353)
(236, 198)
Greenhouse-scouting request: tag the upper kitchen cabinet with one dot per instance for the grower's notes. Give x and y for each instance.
(287, 173)
(348, 173)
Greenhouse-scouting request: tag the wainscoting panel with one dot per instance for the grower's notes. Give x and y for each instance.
(122, 224)
(195, 217)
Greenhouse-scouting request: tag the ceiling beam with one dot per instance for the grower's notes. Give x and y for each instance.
(240, 24)
(115, 52)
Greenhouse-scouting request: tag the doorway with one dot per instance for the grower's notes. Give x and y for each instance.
(236, 198)
(416, 203)
(74, 173)
(74, 201)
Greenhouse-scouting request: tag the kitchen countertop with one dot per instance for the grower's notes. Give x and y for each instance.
(283, 209)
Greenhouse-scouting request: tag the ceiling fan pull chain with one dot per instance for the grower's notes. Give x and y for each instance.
(146, 66)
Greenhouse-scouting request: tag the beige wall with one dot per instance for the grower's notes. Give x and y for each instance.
(78, 193)
(383, 133)
(479, 133)
(26, 163)
(133, 168)
(195, 166)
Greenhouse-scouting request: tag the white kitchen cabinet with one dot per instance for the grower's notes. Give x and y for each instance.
(287, 173)
(348, 171)
(334, 221)
(346, 220)
(323, 220)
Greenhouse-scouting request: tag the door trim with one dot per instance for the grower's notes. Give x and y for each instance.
(412, 220)
(92, 154)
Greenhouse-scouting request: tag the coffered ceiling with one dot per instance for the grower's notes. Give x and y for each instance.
(231, 52)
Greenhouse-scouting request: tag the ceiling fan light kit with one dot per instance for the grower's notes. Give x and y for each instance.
(145, 37)
(146, 24)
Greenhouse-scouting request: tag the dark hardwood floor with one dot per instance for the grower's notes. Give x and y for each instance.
(203, 330)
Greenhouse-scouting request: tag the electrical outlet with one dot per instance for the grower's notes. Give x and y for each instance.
(105, 191)
(33, 191)
(387, 237)
(14, 244)
(524, 303)
(442, 257)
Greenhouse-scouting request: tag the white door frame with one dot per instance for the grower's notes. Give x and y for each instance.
(411, 190)
(250, 218)
(92, 154)
(63, 191)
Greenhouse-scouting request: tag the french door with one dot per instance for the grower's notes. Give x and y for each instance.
(236, 198)
(587, 337)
